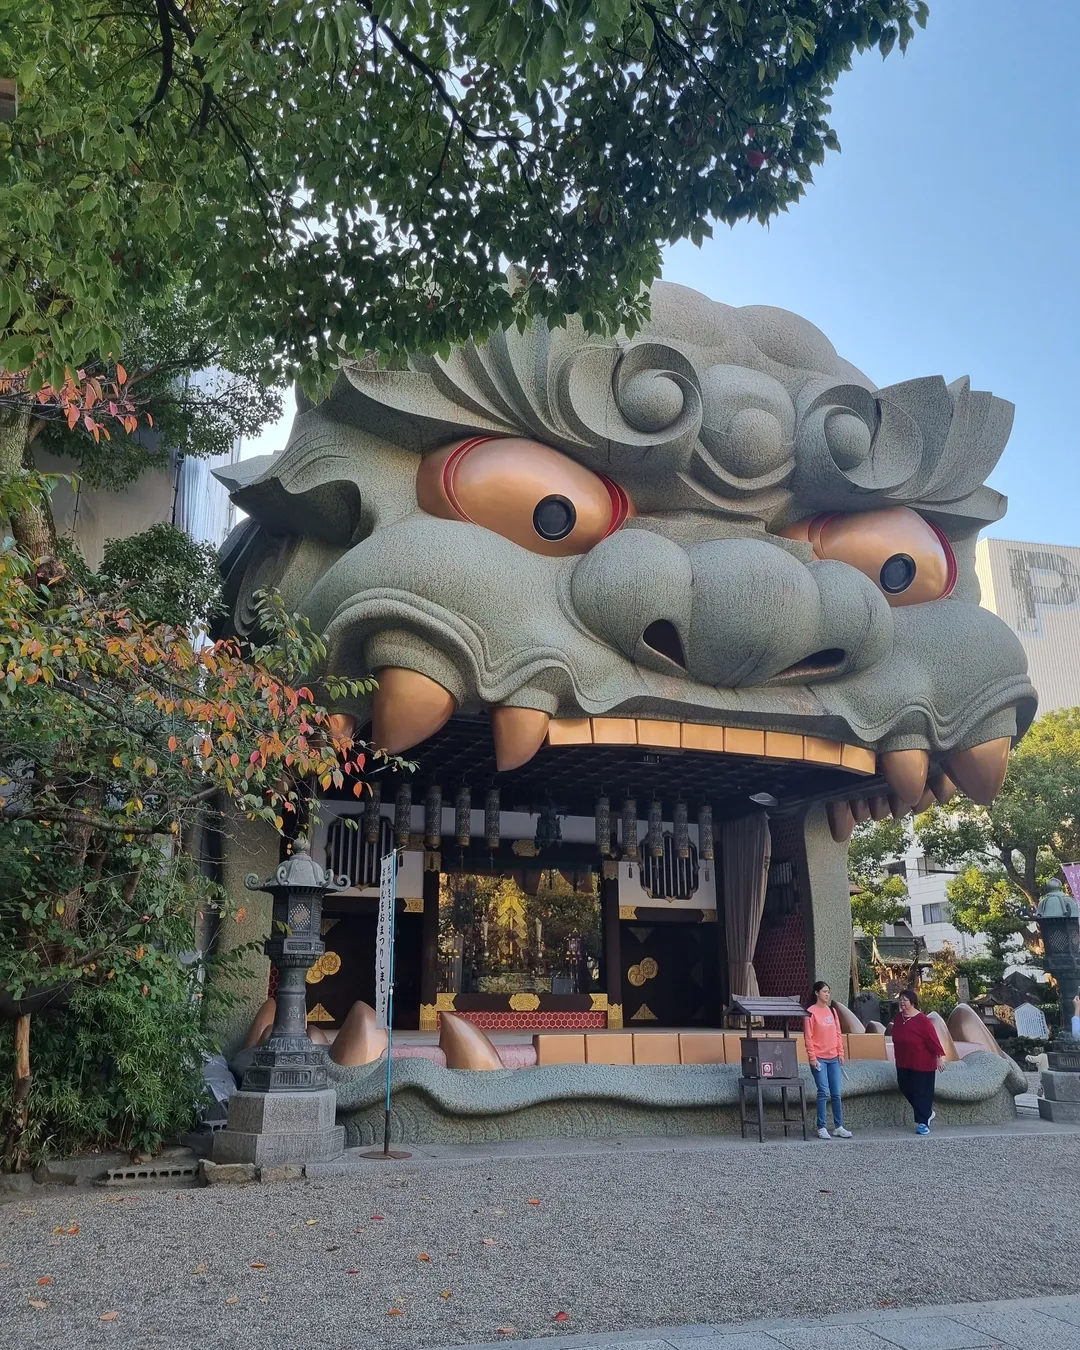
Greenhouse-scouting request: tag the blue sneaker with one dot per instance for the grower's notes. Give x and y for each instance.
(922, 1129)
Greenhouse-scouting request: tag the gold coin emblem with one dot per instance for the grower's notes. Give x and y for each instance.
(315, 973)
(636, 978)
(329, 963)
(649, 968)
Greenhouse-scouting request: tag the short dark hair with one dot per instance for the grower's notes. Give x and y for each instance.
(818, 987)
(911, 996)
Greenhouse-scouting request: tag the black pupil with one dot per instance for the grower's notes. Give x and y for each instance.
(554, 517)
(897, 573)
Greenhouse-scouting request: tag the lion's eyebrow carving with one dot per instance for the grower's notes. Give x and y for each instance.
(739, 419)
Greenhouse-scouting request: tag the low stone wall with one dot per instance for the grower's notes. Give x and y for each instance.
(435, 1105)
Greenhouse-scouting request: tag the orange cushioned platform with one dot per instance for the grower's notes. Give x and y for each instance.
(656, 1047)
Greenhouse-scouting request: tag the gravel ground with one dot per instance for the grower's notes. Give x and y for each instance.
(618, 1240)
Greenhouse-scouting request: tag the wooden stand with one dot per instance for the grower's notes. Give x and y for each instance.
(785, 1121)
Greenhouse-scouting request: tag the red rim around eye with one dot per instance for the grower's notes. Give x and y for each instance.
(950, 560)
(620, 504)
(450, 467)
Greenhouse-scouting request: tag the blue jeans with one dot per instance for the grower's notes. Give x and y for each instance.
(827, 1078)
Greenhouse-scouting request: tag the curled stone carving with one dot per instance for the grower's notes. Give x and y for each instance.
(696, 583)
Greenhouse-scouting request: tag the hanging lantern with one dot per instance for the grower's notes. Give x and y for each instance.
(705, 832)
(603, 825)
(373, 814)
(403, 815)
(629, 830)
(656, 828)
(433, 817)
(491, 819)
(682, 830)
(462, 816)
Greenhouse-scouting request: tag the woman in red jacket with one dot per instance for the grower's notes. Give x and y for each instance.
(919, 1057)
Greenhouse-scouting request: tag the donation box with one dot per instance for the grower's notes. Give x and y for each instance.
(763, 1058)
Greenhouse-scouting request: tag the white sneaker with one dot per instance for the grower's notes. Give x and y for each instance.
(841, 1133)
(823, 1133)
(933, 1114)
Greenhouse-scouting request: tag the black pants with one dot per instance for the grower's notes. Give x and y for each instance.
(917, 1085)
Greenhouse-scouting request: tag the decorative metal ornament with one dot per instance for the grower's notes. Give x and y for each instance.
(403, 815)
(705, 832)
(433, 817)
(491, 819)
(548, 826)
(372, 814)
(462, 817)
(682, 830)
(603, 825)
(656, 828)
(630, 829)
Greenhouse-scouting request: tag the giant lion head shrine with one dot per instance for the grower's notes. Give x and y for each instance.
(659, 619)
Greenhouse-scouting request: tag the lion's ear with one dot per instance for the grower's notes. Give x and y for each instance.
(295, 493)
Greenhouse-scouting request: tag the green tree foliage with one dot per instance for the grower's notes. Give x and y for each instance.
(118, 730)
(360, 174)
(164, 576)
(171, 393)
(1007, 851)
(186, 392)
(881, 897)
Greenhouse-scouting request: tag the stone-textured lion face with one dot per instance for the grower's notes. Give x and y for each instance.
(718, 520)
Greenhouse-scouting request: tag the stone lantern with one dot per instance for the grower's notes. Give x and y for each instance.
(285, 1109)
(1058, 918)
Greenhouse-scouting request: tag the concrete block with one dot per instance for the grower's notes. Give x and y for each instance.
(274, 1172)
(553, 1048)
(239, 1146)
(16, 1183)
(225, 1174)
(1060, 1111)
(282, 1112)
(1061, 1087)
(280, 1127)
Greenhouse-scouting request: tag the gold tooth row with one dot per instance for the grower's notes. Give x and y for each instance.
(660, 735)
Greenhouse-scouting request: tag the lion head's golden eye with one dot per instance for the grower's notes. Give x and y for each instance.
(904, 555)
(531, 494)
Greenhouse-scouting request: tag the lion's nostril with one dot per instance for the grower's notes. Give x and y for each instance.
(663, 637)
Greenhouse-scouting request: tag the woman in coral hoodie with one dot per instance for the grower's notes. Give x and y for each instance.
(919, 1057)
(825, 1051)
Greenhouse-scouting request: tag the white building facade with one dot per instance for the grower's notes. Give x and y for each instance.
(1035, 588)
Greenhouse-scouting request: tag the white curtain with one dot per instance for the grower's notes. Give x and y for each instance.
(746, 850)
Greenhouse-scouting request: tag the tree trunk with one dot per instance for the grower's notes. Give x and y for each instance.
(32, 527)
(20, 1103)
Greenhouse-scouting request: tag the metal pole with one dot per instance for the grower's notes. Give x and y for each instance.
(390, 1011)
(385, 1153)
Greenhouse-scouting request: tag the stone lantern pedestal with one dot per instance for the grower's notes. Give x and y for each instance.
(1059, 926)
(285, 1111)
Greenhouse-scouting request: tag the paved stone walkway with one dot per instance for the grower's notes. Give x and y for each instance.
(1013, 1324)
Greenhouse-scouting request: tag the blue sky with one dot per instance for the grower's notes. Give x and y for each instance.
(943, 239)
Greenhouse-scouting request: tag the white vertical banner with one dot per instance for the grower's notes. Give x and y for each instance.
(384, 939)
